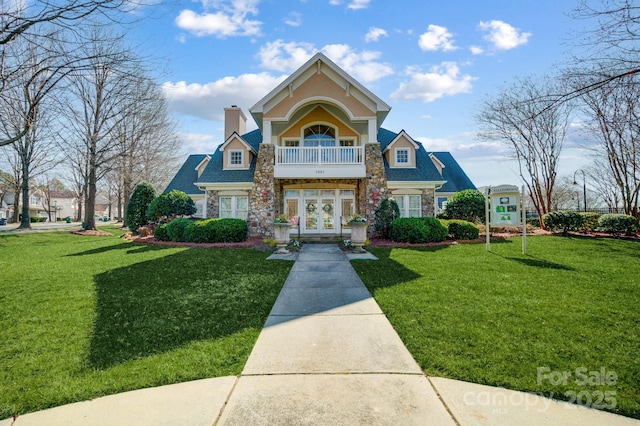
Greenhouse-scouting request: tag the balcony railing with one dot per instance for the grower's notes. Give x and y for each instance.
(319, 155)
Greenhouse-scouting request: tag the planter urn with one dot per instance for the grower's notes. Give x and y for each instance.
(281, 235)
(358, 235)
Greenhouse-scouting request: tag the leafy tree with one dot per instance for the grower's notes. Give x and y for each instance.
(468, 204)
(142, 196)
(385, 214)
(170, 205)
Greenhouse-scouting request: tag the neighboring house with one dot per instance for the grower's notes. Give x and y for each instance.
(319, 156)
(65, 204)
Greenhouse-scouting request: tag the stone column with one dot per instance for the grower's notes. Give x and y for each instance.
(262, 196)
(376, 183)
(428, 195)
(213, 204)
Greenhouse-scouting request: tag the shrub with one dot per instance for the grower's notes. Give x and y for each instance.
(589, 221)
(417, 230)
(170, 205)
(217, 231)
(138, 204)
(617, 224)
(562, 220)
(176, 228)
(160, 233)
(385, 214)
(468, 204)
(461, 229)
(534, 221)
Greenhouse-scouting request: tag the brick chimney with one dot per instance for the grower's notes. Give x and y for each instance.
(234, 121)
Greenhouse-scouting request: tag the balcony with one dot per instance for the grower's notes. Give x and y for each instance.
(320, 162)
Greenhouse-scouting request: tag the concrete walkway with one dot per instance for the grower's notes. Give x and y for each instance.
(326, 356)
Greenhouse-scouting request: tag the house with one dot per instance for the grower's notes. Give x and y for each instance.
(319, 155)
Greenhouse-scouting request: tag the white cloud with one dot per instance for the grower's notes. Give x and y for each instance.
(362, 66)
(197, 143)
(502, 35)
(353, 4)
(208, 100)
(442, 80)
(374, 34)
(287, 57)
(359, 4)
(294, 19)
(436, 38)
(476, 50)
(229, 19)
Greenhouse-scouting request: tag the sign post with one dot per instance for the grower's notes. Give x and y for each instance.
(505, 207)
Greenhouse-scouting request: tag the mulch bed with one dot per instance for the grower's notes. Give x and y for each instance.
(254, 242)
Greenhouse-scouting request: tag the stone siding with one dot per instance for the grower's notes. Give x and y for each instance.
(262, 198)
(428, 195)
(376, 184)
(213, 204)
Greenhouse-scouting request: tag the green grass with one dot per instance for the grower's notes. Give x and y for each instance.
(494, 318)
(83, 317)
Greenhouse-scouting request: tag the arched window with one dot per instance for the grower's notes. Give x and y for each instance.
(319, 135)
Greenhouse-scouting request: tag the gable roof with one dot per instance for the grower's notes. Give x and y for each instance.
(215, 173)
(236, 136)
(425, 170)
(186, 177)
(398, 136)
(382, 108)
(457, 179)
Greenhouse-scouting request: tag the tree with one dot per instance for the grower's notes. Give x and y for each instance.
(171, 205)
(140, 200)
(604, 183)
(613, 114)
(40, 23)
(468, 204)
(517, 116)
(22, 108)
(95, 104)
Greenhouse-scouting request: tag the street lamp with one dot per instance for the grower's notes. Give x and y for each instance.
(584, 187)
(55, 210)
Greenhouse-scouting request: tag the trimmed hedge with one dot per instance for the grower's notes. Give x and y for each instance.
(142, 196)
(617, 224)
(461, 229)
(562, 220)
(589, 221)
(417, 230)
(203, 231)
(176, 229)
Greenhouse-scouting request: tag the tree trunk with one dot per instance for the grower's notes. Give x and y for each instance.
(25, 222)
(90, 207)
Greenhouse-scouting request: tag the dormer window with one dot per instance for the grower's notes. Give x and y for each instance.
(236, 158)
(402, 156)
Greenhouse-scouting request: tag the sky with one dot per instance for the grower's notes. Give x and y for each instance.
(432, 61)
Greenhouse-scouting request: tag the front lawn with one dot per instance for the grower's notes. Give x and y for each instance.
(82, 317)
(541, 322)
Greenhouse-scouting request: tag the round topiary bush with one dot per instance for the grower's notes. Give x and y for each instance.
(170, 205)
(160, 233)
(461, 229)
(468, 204)
(417, 230)
(562, 220)
(617, 224)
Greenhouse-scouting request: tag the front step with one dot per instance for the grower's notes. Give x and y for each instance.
(319, 238)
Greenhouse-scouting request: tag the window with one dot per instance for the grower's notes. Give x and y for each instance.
(236, 158)
(319, 135)
(402, 156)
(442, 202)
(409, 205)
(234, 206)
